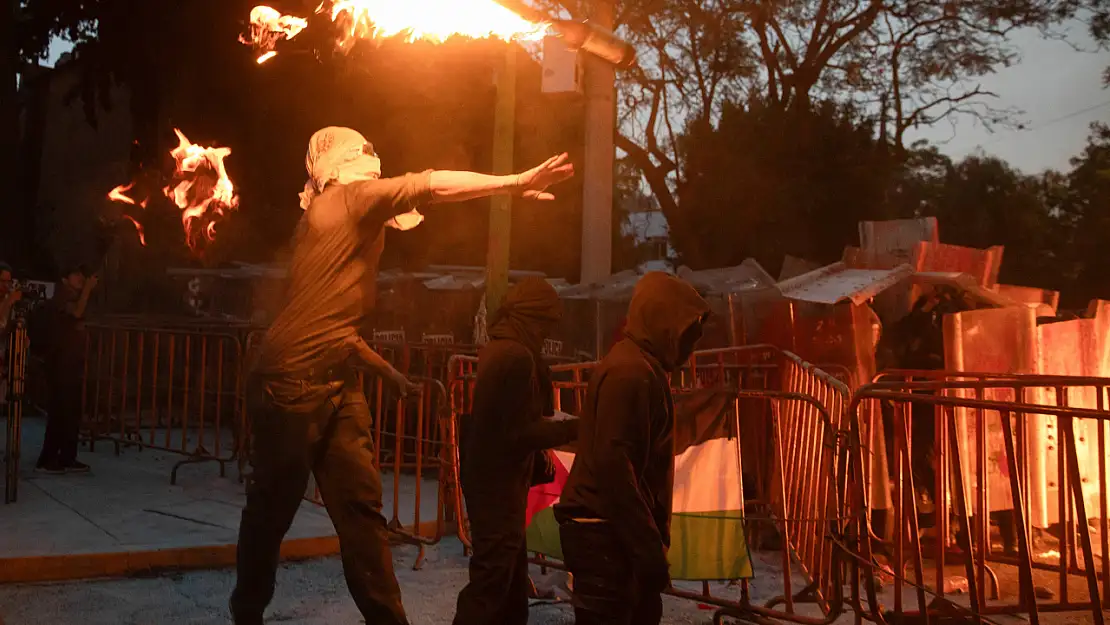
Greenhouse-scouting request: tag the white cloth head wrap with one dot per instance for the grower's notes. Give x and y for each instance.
(341, 156)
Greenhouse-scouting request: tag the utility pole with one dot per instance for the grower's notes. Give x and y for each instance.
(500, 210)
(605, 52)
(597, 170)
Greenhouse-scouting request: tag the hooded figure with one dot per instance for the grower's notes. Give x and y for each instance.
(504, 452)
(615, 510)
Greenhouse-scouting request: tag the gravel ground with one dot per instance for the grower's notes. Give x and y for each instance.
(308, 593)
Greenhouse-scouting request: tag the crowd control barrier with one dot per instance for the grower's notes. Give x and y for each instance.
(801, 411)
(173, 390)
(1024, 453)
(16, 381)
(410, 454)
(791, 418)
(987, 494)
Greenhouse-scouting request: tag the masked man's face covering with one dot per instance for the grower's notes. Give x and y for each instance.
(665, 318)
(530, 313)
(342, 156)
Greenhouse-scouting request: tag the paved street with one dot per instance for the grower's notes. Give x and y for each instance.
(126, 514)
(308, 593)
(126, 506)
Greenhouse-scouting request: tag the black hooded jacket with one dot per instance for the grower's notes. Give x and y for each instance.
(513, 391)
(624, 466)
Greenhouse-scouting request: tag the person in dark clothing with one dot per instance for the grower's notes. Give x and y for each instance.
(59, 339)
(504, 452)
(308, 413)
(615, 511)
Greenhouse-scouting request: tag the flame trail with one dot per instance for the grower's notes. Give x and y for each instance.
(201, 189)
(268, 27)
(138, 228)
(199, 186)
(117, 195)
(427, 20)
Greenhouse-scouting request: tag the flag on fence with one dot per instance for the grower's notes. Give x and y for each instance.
(707, 522)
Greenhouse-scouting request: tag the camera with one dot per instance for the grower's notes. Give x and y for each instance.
(34, 294)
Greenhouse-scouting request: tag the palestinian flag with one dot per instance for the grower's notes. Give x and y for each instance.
(707, 523)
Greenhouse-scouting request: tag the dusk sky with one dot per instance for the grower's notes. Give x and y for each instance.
(1060, 90)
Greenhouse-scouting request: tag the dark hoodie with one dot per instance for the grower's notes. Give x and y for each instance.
(513, 391)
(505, 435)
(624, 467)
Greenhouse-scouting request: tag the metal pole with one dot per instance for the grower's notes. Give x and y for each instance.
(500, 215)
(17, 370)
(597, 184)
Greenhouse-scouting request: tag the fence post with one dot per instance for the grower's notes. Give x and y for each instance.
(17, 369)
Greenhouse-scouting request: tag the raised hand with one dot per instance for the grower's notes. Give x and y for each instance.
(535, 181)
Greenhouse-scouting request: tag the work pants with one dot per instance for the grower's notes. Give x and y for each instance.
(607, 587)
(320, 428)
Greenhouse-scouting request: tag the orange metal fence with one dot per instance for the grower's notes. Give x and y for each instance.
(988, 461)
(409, 450)
(410, 446)
(800, 410)
(570, 392)
(1026, 452)
(16, 382)
(173, 390)
(791, 418)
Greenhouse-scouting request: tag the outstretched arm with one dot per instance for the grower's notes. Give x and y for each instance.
(459, 186)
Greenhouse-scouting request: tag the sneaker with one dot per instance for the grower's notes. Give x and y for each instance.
(77, 467)
(49, 469)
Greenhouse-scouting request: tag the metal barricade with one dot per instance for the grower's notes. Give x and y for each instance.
(462, 371)
(1028, 452)
(409, 445)
(791, 419)
(171, 390)
(805, 411)
(438, 339)
(569, 381)
(417, 451)
(748, 368)
(810, 502)
(13, 408)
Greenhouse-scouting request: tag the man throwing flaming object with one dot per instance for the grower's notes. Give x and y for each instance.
(308, 413)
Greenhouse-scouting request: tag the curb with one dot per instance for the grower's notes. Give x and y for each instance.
(127, 563)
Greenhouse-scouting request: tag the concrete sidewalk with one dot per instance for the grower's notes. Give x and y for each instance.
(124, 516)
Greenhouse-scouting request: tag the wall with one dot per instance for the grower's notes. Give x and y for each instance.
(79, 164)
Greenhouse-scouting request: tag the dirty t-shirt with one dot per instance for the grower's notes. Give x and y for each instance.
(333, 271)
